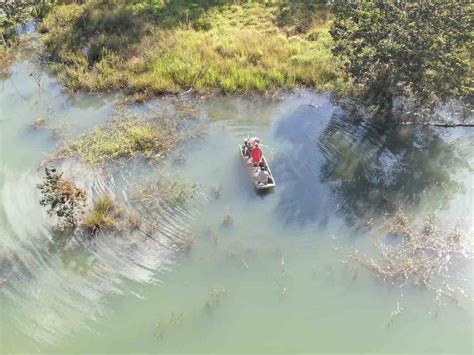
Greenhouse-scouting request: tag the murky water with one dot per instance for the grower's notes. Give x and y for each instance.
(278, 278)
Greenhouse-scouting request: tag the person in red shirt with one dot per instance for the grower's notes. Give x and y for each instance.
(256, 154)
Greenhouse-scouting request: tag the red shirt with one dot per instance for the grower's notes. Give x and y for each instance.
(256, 155)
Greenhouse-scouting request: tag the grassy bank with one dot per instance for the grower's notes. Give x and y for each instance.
(155, 47)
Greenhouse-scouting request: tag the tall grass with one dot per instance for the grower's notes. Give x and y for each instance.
(102, 216)
(165, 47)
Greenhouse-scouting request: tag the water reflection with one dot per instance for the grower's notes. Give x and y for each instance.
(303, 199)
(374, 168)
(362, 168)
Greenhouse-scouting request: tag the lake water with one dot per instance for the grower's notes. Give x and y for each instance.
(278, 278)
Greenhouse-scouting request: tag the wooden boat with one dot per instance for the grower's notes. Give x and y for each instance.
(253, 172)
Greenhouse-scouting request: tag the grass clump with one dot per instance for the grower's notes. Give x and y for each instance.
(102, 216)
(126, 137)
(156, 47)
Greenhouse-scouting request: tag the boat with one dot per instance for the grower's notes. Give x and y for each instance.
(252, 172)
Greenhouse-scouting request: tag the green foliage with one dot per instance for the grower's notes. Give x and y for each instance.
(154, 47)
(63, 199)
(125, 137)
(417, 49)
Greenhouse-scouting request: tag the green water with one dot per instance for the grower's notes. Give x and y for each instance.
(278, 279)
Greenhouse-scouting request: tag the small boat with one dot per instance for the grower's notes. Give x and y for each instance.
(253, 170)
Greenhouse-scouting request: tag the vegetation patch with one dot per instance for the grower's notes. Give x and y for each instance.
(156, 47)
(165, 325)
(102, 216)
(7, 57)
(417, 255)
(166, 189)
(125, 137)
(215, 298)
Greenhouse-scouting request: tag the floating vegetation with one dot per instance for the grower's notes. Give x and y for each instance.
(228, 219)
(420, 254)
(216, 192)
(39, 123)
(125, 137)
(215, 298)
(163, 327)
(63, 198)
(170, 190)
(185, 243)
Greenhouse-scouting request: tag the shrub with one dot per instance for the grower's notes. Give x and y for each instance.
(62, 197)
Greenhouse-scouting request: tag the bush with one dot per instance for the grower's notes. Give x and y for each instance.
(62, 197)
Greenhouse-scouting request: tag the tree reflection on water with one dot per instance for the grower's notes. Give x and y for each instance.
(361, 168)
(375, 168)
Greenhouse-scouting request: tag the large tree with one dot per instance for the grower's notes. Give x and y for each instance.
(393, 48)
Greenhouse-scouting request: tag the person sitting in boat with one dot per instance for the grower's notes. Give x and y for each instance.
(262, 177)
(256, 154)
(245, 149)
(252, 142)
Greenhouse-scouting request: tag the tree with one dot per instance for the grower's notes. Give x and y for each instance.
(63, 199)
(416, 49)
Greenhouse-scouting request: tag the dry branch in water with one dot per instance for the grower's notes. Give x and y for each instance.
(421, 254)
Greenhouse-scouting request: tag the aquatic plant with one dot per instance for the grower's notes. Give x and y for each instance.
(126, 137)
(102, 216)
(39, 123)
(163, 327)
(421, 253)
(396, 313)
(215, 298)
(228, 219)
(170, 190)
(63, 198)
(185, 243)
(216, 192)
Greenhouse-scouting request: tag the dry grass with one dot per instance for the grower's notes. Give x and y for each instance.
(421, 254)
(102, 216)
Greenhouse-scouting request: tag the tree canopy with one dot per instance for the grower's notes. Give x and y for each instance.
(417, 49)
